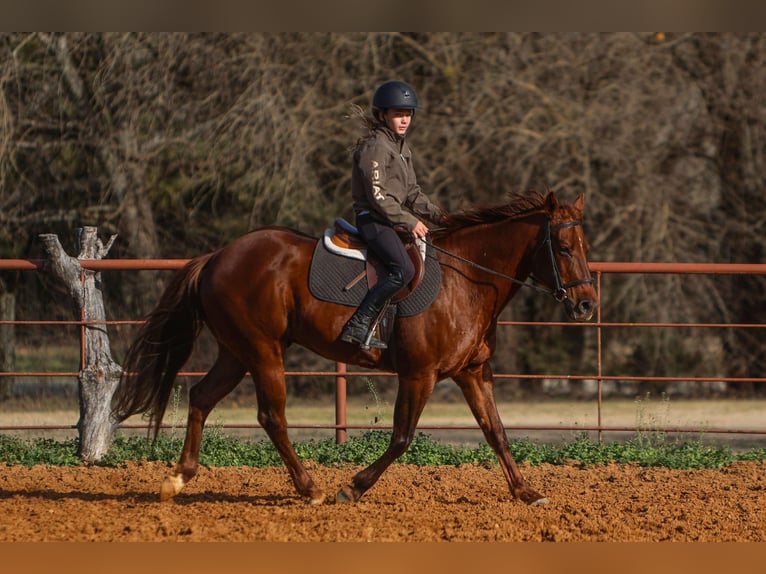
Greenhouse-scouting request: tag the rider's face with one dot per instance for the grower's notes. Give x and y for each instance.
(398, 120)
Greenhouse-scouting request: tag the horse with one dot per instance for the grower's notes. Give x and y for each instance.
(252, 295)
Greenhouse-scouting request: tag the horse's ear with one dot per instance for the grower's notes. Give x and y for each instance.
(580, 202)
(551, 203)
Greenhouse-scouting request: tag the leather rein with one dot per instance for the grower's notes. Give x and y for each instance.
(559, 292)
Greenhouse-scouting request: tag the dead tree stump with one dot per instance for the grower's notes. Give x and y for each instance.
(99, 374)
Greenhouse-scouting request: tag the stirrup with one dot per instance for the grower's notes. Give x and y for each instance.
(366, 343)
(361, 329)
(371, 341)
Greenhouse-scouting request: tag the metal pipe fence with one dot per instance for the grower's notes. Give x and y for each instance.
(341, 373)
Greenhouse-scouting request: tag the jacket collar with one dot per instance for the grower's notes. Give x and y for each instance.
(394, 137)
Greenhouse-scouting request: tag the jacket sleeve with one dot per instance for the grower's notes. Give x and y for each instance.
(418, 201)
(421, 205)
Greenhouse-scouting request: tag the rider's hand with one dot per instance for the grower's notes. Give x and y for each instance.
(420, 230)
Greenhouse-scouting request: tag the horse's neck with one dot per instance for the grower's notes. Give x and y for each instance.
(504, 246)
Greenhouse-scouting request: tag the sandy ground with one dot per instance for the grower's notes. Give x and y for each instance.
(409, 503)
(468, 503)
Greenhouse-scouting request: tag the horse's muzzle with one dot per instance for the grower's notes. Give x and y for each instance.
(582, 310)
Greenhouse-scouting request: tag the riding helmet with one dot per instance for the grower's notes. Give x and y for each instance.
(395, 94)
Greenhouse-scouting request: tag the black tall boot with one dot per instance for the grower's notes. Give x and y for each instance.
(359, 325)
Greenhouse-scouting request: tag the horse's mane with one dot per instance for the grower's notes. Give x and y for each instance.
(518, 204)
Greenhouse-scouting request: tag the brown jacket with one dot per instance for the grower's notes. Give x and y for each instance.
(383, 181)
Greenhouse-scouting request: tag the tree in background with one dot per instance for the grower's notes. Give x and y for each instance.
(180, 142)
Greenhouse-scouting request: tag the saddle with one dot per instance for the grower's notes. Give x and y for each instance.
(344, 239)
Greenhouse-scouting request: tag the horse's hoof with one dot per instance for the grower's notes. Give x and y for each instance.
(530, 497)
(317, 499)
(166, 493)
(345, 494)
(171, 486)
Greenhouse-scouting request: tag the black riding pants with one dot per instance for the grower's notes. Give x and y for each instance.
(384, 242)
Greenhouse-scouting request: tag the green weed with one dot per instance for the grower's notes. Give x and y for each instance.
(221, 450)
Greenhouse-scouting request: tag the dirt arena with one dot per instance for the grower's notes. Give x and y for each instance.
(409, 503)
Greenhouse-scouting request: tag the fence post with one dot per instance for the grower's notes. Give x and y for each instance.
(7, 342)
(341, 434)
(599, 361)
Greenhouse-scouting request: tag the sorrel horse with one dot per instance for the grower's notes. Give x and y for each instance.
(253, 296)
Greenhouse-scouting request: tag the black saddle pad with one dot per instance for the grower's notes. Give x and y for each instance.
(330, 273)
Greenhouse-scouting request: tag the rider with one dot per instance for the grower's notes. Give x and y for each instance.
(383, 184)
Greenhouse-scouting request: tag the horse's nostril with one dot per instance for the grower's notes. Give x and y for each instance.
(585, 306)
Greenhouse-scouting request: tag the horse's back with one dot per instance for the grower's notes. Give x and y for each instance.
(265, 250)
(260, 266)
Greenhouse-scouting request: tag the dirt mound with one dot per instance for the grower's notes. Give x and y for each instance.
(409, 503)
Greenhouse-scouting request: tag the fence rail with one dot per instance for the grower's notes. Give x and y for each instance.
(341, 372)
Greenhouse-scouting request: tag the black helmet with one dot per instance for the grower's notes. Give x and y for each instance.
(395, 94)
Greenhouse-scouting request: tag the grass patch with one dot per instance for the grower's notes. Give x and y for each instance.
(221, 450)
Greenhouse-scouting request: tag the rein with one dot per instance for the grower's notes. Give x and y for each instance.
(559, 293)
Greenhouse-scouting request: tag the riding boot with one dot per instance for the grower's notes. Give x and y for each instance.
(359, 325)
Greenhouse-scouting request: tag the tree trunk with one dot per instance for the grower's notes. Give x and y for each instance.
(99, 374)
(8, 343)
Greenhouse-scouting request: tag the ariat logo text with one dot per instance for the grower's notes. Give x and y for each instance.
(376, 181)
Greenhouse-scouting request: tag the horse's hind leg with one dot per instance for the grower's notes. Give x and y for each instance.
(225, 374)
(269, 377)
(478, 389)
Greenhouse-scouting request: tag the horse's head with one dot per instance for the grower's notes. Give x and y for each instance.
(561, 260)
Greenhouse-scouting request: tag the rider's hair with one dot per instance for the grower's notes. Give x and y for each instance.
(367, 121)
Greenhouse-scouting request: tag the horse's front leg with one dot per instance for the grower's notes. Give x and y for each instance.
(411, 397)
(477, 384)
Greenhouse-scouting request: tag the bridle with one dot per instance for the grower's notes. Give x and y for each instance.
(559, 292)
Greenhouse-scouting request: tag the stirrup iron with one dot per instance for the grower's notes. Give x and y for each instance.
(370, 340)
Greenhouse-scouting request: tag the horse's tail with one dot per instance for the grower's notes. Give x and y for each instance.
(162, 346)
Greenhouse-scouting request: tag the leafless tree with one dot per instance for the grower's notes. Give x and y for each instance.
(179, 142)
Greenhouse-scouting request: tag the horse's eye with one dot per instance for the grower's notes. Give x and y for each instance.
(565, 250)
